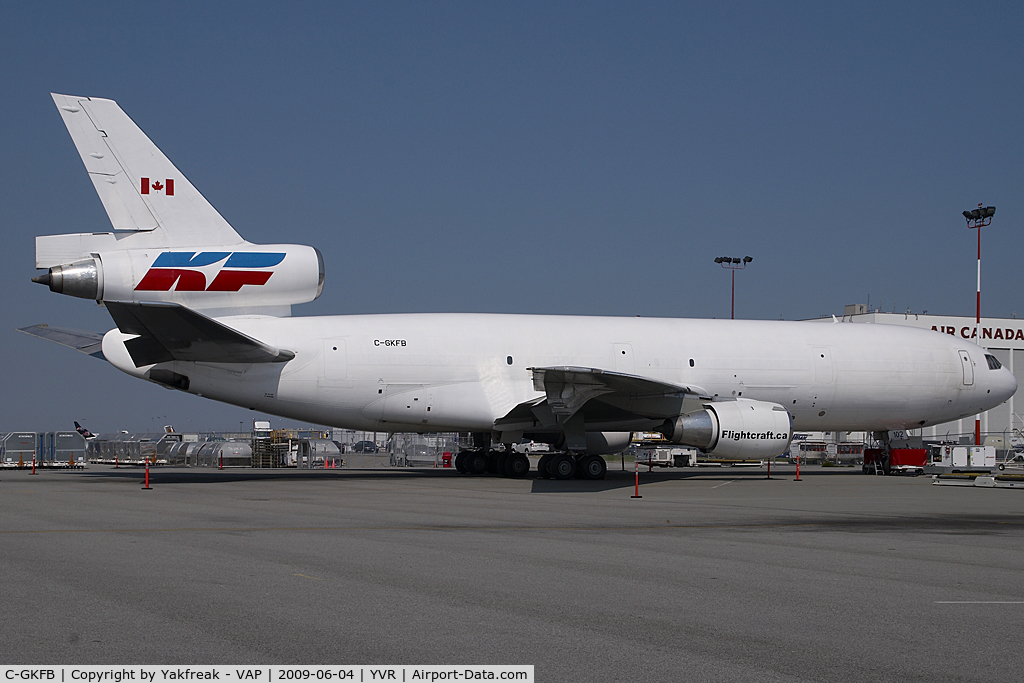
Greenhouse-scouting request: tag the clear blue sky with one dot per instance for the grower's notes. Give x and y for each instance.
(584, 158)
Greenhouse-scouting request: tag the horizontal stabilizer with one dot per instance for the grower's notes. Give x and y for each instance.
(168, 332)
(88, 343)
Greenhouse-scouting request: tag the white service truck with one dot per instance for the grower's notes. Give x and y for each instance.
(666, 456)
(967, 456)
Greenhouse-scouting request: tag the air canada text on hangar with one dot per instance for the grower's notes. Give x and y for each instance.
(971, 332)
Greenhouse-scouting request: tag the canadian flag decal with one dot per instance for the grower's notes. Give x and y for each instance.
(167, 186)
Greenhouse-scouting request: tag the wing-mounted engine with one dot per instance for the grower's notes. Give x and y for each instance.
(242, 278)
(741, 429)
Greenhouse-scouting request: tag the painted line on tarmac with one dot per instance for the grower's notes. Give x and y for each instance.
(725, 484)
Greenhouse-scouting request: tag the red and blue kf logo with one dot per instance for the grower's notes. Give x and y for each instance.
(179, 267)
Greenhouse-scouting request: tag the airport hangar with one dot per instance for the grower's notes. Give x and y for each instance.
(1002, 337)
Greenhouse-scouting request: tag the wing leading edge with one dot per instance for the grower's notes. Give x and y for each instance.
(600, 397)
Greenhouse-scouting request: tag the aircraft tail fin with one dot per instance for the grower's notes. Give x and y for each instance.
(168, 243)
(141, 190)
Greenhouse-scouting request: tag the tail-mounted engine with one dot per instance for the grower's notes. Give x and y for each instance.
(247, 277)
(741, 429)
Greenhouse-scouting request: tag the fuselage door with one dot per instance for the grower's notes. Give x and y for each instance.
(822, 366)
(335, 359)
(824, 380)
(965, 361)
(624, 359)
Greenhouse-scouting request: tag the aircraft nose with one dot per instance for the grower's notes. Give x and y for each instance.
(1006, 384)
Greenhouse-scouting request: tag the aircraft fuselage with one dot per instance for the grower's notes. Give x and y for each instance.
(461, 372)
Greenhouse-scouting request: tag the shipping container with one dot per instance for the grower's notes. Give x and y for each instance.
(18, 447)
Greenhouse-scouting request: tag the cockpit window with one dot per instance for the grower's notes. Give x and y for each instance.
(993, 362)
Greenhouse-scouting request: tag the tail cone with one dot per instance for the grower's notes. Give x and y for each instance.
(43, 279)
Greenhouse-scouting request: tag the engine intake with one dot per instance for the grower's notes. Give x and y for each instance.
(742, 429)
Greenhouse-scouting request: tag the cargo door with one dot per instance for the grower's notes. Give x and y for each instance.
(968, 366)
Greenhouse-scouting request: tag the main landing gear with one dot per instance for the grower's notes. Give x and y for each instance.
(570, 466)
(512, 465)
(507, 463)
(516, 465)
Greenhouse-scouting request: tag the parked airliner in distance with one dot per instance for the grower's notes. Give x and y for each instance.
(86, 434)
(200, 310)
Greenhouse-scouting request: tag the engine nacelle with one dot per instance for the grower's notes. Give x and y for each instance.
(607, 443)
(598, 443)
(245, 277)
(741, 429)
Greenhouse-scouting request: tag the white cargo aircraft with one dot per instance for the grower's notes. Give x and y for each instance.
(201, 310)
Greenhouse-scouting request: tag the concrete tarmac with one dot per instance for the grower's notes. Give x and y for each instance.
(715, 575)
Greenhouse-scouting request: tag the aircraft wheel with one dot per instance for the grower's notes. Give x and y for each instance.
(460, 462)
(517, 466)
(476, 463)
(562, 466)
(542, 467)
(503, 465)
(593, 467)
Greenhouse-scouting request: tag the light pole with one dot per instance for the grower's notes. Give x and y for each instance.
(976, 220)
(733, 264)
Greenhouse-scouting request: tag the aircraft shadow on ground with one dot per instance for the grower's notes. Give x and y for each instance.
(183, 475)
(619, 479)
(615, 479)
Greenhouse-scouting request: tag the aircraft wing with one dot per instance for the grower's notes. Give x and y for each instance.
(602, 396)
(168, 331)
(569, 388)
(88, 343)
